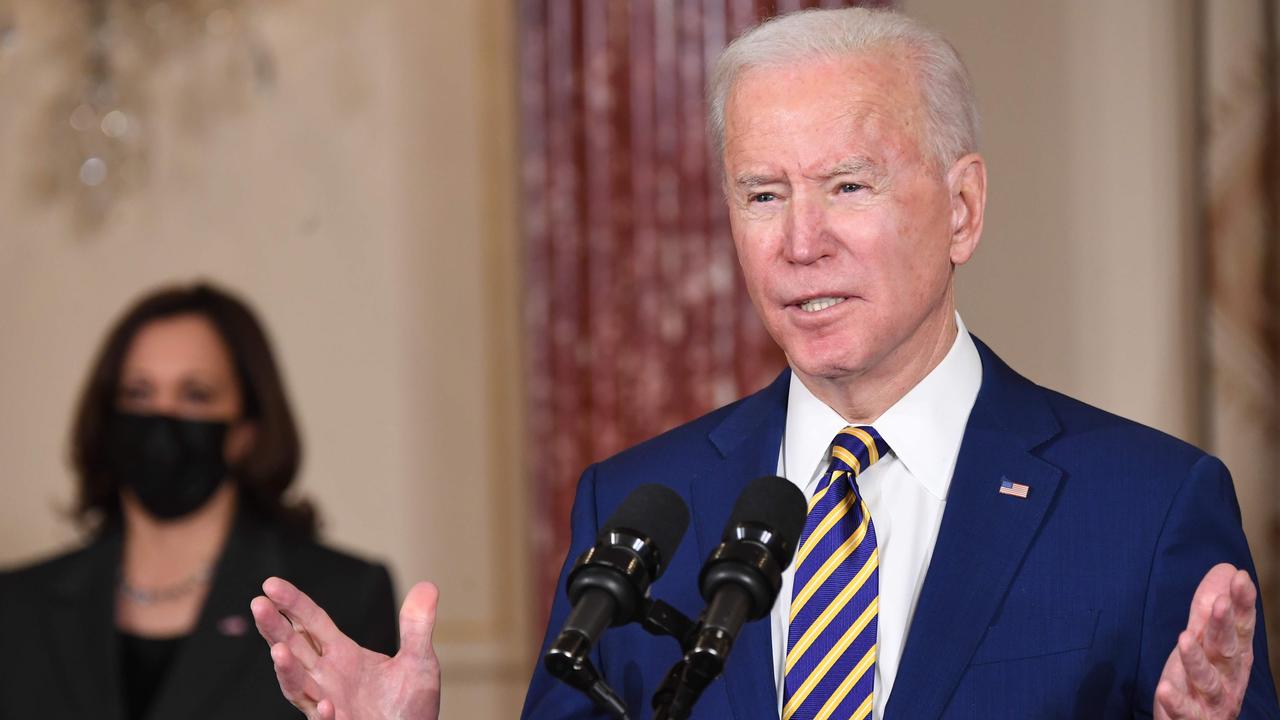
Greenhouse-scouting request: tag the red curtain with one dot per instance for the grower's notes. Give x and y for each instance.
(635, 312)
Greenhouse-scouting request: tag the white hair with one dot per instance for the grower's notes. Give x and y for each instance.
(951, 112)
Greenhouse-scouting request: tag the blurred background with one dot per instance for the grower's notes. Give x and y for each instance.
(495, 222)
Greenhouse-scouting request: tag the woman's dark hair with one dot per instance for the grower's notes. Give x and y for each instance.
(269, 467)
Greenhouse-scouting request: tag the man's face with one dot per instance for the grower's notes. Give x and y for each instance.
(842, 225)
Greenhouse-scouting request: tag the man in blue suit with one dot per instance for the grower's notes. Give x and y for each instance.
(976, 545)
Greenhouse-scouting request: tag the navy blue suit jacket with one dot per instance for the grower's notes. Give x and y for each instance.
(1063, 605)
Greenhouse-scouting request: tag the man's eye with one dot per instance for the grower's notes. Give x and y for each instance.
(763, 197)
(851, 187)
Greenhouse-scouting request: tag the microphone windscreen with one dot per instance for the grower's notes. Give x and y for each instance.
(775, 503)
(656, 512)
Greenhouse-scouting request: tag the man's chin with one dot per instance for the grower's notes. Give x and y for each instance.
(832, 369)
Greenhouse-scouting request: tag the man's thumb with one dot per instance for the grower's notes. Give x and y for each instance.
(418, 619)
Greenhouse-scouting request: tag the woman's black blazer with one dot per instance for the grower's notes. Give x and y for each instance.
(58, 654)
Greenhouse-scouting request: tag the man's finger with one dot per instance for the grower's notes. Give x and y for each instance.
(1201, 674)
(276, 629)
(1175, 703)
(1216, 582)
(1244, 596)
(418, 620)
(296, 684)
(272, 626)
(1220, 638)
(303, 612)
(305, 650)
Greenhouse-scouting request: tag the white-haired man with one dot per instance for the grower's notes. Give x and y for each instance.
(976, 546)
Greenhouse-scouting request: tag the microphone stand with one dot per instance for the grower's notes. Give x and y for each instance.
(584, 676)
(675, 698)
(706, 649)
(576, 670)
(745, 575)
(685, 681)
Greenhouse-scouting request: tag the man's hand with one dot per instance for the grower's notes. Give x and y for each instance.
(1207, 673)
(327, 676)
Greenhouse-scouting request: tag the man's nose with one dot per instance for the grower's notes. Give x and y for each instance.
(807, 239)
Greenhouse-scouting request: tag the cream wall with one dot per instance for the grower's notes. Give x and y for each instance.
(366, 205)
(1083, 279)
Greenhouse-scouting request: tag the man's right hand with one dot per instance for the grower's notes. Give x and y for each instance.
(327, 676)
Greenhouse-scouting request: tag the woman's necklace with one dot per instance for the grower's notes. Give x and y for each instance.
(151, 596)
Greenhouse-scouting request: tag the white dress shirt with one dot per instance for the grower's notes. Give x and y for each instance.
(906, 490)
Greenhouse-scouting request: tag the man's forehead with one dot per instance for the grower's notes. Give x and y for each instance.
(849, 139)
(837, 108)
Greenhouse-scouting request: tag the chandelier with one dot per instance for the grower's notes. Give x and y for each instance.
(96, 129)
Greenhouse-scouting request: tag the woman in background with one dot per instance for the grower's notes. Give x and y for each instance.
(184, 447)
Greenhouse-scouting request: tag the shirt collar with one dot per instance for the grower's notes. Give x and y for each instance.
(924, 428)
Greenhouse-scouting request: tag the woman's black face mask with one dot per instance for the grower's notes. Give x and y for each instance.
(173, 465)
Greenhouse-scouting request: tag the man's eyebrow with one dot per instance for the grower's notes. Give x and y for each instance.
(750, 180)
(852, 166)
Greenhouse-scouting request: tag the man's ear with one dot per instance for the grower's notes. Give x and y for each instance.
(240, 439)
(967, 183)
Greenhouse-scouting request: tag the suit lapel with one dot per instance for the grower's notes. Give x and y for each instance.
(748, 442)
(81, 628)
(982, 540)
(224, 641)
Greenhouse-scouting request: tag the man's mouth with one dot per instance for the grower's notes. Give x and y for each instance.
(821, 303)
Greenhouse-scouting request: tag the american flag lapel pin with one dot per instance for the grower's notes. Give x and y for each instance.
(1018, 490)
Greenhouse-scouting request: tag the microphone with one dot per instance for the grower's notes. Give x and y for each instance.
(740, 581)
(610, 581)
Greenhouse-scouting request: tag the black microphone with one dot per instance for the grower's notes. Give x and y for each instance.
(610, 581)
(740, 581)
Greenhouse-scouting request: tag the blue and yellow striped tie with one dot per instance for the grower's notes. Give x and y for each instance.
(831, 643)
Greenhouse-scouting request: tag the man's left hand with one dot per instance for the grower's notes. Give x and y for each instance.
(1208, 672)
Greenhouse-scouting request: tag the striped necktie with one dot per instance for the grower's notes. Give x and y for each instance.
(831, 642)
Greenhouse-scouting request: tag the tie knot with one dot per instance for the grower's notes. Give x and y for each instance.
(857, 448)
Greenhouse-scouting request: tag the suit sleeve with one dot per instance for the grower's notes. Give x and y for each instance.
(548, 698)
(1203, 528)
(378, 625)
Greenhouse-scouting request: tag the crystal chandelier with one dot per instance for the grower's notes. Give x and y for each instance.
(97, 127)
